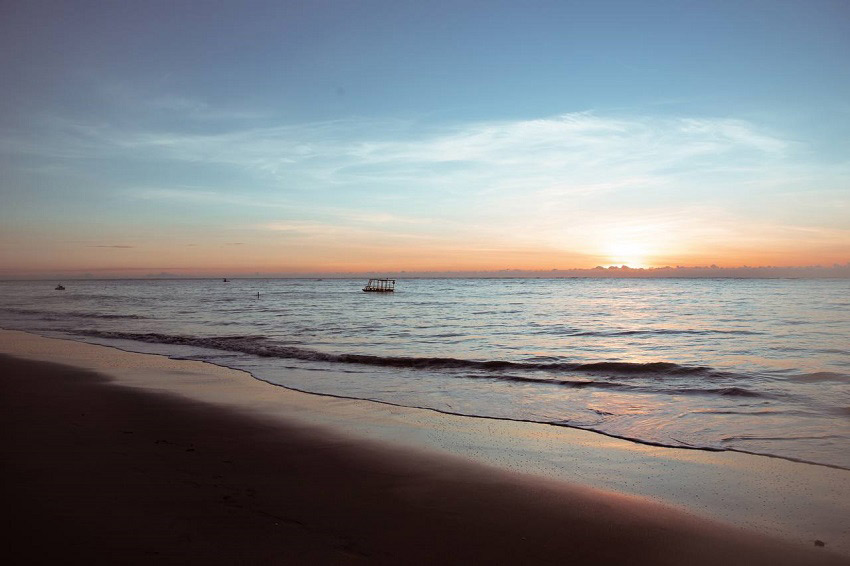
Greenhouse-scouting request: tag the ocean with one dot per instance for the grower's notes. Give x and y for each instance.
(752, 365)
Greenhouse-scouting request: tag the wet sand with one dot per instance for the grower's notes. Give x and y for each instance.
(96, 469)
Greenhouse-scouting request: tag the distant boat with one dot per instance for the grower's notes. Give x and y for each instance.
(59, 288)
(225, 280)
(380, 286)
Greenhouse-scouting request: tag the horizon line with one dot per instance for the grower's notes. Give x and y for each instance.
(614, 271)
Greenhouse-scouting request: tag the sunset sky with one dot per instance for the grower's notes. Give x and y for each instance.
(289, 137)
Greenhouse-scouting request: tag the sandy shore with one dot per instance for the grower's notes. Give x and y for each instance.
(131, 458)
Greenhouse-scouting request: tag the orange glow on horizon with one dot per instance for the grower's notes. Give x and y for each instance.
(215, 259)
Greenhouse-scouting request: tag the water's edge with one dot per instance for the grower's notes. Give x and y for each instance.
(83, 340)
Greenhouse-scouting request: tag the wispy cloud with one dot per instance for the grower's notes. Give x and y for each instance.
(569, 182)
(579, 154)
(548, 144)
(206, 195)
(141, 100)
(337, 231)
(195, 108)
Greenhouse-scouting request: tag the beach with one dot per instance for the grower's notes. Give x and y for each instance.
(114, 456)
(425, 283)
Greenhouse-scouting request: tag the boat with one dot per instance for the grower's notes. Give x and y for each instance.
(380, 286)
(59, 288)
(225, 280)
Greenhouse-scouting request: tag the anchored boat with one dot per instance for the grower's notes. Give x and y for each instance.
(380, 286)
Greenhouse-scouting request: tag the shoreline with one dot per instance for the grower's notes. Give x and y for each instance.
(522, 451)
(533, 422)
(635, 440)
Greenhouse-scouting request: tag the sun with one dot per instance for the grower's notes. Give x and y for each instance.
(627, 253)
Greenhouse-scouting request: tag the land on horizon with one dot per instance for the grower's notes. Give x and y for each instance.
(837, 271)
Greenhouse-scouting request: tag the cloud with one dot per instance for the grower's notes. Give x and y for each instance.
(570, 182)
(550, 160)
(145, 100)
(206, 195)
(350, 147)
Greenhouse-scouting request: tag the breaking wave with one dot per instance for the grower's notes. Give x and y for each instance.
(60, 315)
(490, 369)
(261, 346)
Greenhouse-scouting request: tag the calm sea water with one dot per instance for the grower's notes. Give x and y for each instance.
(752, 365)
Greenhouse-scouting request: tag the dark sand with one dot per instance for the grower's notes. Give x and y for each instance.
(99, 473)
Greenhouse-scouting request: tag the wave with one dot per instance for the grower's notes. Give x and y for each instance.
(666, 368)
(821, 376)
(59, 315)
(642, 332)
(724, 391)
(758, 413)
(261, 346)
(574, 383)
(578, 384)
(748, 437)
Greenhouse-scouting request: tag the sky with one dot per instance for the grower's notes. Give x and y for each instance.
(228, 138)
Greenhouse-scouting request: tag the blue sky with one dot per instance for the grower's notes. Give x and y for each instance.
(280, 136)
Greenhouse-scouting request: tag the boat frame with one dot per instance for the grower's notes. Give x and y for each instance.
(380, 286)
